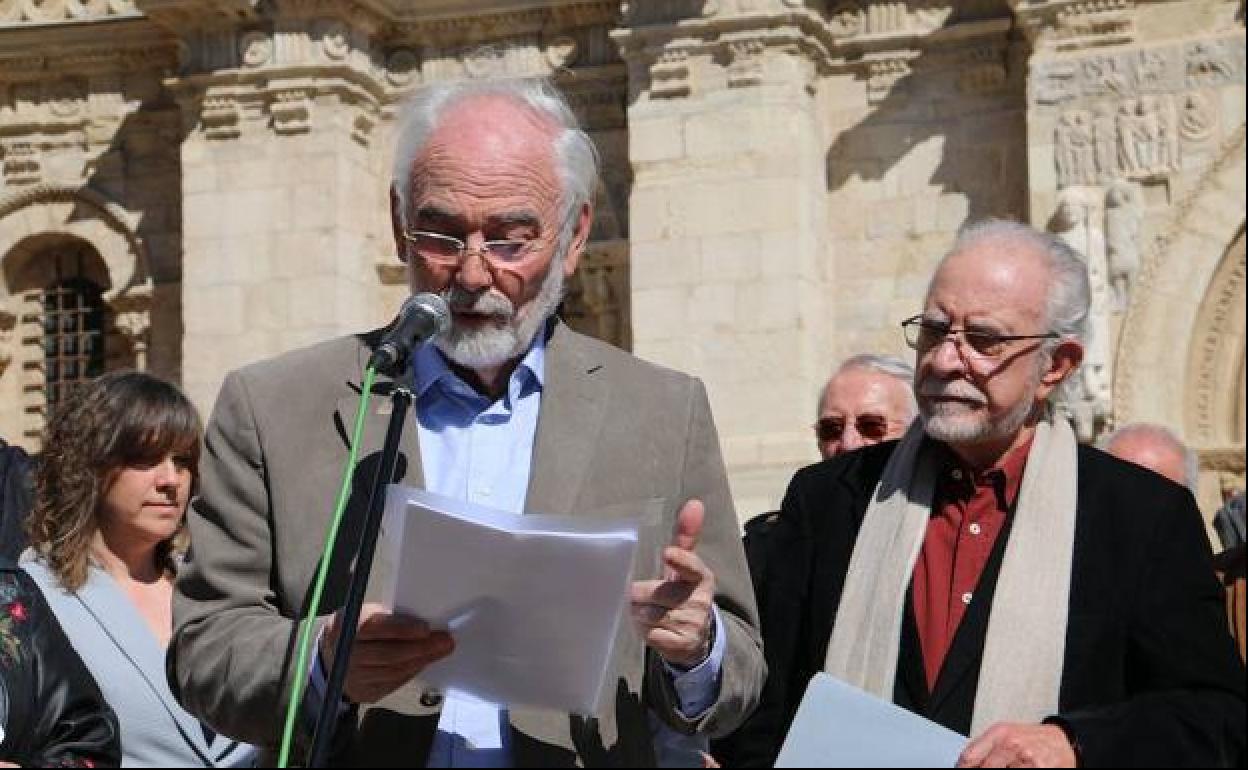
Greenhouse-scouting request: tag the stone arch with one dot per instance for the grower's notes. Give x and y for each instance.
(1180, 270)
(30, 216)
(35, 222)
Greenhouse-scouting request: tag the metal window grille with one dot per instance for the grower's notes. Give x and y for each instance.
(73, 336)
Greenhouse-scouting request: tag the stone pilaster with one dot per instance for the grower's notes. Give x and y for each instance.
(282, 194)
(727, 220)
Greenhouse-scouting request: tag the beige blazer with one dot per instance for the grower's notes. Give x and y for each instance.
(613, 433)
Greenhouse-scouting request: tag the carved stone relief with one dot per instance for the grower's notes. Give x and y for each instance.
(52, 11)
(8, 335)
(1080, 221)
(1124, 212)
(255, 48)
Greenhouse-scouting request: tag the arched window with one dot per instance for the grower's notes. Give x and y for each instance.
(73, 329)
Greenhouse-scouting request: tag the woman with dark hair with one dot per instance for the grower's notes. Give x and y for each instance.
(119, 461)
(51, 711)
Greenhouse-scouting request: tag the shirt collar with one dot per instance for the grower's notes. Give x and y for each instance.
(1004, 478)
(430, 368)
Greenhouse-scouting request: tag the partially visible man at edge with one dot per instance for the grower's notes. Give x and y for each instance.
(491, 208)
(1157, 448)
(1055, 604)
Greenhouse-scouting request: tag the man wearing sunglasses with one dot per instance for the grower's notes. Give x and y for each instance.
(1053, 603)
(869, 399)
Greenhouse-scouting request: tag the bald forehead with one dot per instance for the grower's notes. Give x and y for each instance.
(1009, 273)
(859, 389)
(494, 127)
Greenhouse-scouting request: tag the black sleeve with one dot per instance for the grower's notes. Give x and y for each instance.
(70, 724)
(781, 602)
(15, 499)
(1185, 701)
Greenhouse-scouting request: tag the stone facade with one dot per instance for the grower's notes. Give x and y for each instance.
(780, 177)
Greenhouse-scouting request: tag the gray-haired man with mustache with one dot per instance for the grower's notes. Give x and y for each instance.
(1053, 603)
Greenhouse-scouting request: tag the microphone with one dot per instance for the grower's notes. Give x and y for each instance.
(421, 317)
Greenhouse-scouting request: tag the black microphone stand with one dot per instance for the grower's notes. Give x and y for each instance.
(327, 717)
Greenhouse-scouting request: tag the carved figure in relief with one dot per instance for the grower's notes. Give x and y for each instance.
(1198, 119)
(1105, 139)
(1123, 215)
(1076, 157)
(1079, 220)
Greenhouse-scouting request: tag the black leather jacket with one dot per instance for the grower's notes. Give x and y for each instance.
(15, 500)
(51, 711)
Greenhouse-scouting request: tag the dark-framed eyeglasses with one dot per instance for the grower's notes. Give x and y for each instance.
(923, 334)
(449, 250)
(872, 427)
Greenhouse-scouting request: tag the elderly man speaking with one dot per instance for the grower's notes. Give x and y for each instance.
(1055, 604)
(491, 207)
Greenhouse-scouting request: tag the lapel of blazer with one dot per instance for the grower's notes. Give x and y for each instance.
(573, 408)
(409, 470)
(120, 621)
(574, 403)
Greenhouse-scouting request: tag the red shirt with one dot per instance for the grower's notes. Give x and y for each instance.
(969, 510)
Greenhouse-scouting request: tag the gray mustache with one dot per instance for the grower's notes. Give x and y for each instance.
(484, 303)
(952, 389)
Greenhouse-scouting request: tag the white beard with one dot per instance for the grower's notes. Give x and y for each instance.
(957, 423)
(491, 345)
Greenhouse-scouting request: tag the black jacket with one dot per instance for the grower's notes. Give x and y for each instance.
(51, 710)
(1150, 678)
(15, 499)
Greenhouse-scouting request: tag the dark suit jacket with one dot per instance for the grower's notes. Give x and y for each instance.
(15, 499)
(1151, 676)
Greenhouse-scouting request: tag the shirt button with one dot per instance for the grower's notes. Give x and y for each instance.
(956, 474)
(975, 529)
(966, 598)
(430, 699)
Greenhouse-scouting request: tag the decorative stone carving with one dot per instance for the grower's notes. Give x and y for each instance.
(1054, 82)
(1075, 149)
(8, 336)
(1210, 63)
(362, 128)
(597, 301)
(1148, 140)
(1198, 118)
(561, 52)
(221, 118)
(255, 48)
(402, 66)
(1079, 221)
(883, 75)
(485, 61)
(745, 63)
(292, 111)
(65, 98)
(335, 40)
(1124, 211)
(669, 76)
(21, 163)
(847, 20)
(132, 318)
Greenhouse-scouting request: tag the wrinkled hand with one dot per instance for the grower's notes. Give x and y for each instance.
(674, 615)
(389, 650)
(1007, 744)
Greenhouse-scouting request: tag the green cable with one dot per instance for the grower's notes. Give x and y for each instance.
(331, 538)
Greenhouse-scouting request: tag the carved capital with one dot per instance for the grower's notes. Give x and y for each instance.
(1065, 25)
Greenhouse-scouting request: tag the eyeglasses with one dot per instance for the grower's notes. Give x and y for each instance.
(449, 250)
(923, 334)
(871, 427)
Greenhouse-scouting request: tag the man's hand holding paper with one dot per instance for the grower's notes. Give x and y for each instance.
(389, 650)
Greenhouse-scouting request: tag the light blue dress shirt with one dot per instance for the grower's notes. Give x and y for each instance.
(482, 451)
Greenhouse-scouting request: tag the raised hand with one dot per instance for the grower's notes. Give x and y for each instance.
(674, 615)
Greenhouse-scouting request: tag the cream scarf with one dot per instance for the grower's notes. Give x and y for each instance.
(1021, 672)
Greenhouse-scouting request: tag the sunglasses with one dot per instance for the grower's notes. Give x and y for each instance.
(870, 427)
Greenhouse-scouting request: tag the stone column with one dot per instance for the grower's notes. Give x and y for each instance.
(728, 221)
(281, 193)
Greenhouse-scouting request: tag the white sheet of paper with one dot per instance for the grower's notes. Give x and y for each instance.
(838, 725)
(533, 601)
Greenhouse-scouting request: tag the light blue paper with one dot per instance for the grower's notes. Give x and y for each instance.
(838, 725)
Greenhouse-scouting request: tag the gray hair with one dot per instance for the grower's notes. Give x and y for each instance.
(1069, 295)
(576, 159)
(888, 365)
(1166, 437)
